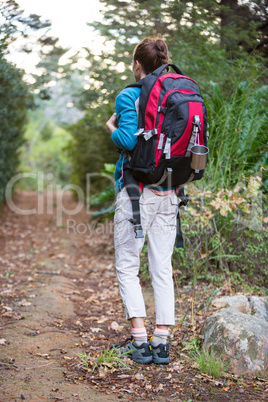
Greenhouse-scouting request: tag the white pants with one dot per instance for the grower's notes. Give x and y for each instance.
(158, 219)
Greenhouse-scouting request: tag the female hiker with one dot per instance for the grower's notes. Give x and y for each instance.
(158, 209)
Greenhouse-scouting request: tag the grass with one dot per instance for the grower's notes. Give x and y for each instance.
(107, 358)
(204, 359)
(238, 127)
(208, 363)
(85, 359)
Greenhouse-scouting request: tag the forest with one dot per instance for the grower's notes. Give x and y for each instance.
(52, 123)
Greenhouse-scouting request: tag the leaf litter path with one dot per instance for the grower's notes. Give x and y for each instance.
(60, 297)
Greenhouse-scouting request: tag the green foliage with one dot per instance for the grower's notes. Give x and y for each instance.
(225, 236)
(105, 199)
(84, 359)
(17, 29)
(208, 362)
(108, 358)
(144, 265)
(14, 100)
(214, 58)
(205, 359)
(44, 149)
(26, 33)
(238, 133)
(89, 149)
(180, 23)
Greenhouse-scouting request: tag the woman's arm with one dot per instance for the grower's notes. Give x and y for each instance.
(126, 114)
(112, 124)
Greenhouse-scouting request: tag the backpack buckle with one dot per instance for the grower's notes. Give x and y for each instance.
(138, 231)
(167, 148)
(197, 124)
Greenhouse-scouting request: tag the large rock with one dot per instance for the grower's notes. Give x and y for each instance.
(239, 333)
(259, 306)
(238, 303)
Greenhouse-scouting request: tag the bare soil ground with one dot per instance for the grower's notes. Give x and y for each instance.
(59, 298)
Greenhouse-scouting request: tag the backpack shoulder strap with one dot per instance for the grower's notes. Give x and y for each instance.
(160, 69)
(136, 85)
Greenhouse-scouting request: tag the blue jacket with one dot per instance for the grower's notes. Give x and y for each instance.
(124, 136)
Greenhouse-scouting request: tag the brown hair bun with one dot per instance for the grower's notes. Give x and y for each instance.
(151, 53)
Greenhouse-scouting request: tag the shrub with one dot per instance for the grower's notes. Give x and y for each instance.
(14, 99)
(238, 133)
(225, 235)
(89, 149)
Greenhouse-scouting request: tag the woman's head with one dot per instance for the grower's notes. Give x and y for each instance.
(148, 55)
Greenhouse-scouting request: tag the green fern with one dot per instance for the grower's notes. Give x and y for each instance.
(238, 133)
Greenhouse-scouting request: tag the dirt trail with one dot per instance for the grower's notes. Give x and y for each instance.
(38, 292)
(59, 298)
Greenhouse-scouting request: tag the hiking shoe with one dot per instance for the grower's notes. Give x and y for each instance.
(160, 353)
(140, 354)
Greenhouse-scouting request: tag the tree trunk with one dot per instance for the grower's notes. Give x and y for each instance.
(228, 23)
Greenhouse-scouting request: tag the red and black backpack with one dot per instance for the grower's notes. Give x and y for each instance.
(172, 118)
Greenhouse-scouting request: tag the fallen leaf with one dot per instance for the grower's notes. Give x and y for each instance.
(96, 329)
(159, 388)
(109, 365)
(176, 367)
(55, 256)
(61, 255)
(217, 383)
(188, 347)
(139, 376)
(127, 390)
(24, 303)
(116, 327)
(8, 314)
(203, 256)
(89, 290)
(225, 389)
(102, 320)
(45, 355)
(2, 341)
(102, 371)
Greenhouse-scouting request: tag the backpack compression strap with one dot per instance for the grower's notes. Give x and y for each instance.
(179, 237)
(133, 190)
(184, 200)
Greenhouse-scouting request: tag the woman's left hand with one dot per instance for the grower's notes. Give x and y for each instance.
(112, 124)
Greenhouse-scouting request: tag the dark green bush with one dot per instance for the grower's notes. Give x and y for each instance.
(14, 100)
(89, 149)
